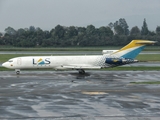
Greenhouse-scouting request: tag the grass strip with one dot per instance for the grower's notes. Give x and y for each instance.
(148, 57)
(149, 82)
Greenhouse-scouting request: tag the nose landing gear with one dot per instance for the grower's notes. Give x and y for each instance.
(17, 71)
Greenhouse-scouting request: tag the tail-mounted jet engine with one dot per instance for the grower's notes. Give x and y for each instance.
(119, 61)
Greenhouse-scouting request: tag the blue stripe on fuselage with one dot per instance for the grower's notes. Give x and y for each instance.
(133, 53)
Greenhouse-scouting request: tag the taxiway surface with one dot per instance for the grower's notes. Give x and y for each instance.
(66, 95)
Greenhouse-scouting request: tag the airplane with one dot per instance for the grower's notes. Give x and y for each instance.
(109, 58)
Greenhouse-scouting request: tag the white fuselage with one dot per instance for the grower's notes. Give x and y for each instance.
(56, 62)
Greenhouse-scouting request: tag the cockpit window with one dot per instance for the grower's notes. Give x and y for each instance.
(10, 60)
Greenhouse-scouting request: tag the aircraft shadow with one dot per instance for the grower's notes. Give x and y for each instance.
(80, 76)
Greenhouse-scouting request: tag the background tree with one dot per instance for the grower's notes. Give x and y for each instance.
(124, 25)
(59, 31)
(32, 28)
(144, 30)
(118, 30)
(135, 31)
(105, 35)
(78, 36)
(40, 35)
(111, 25)
(121, 27)
(10, 31)
(158, 30)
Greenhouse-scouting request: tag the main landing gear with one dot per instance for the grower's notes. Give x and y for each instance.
(81, 71)
(17, 71)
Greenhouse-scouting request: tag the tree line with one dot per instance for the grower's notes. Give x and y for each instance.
(114, 34)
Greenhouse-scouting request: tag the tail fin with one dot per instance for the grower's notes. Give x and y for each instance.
(132, 49)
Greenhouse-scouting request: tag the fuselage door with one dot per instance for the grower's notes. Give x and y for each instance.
(19, 61)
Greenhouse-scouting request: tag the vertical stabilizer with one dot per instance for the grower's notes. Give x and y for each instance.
(132, 49)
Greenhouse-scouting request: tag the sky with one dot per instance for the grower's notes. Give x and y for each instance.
(47, 14)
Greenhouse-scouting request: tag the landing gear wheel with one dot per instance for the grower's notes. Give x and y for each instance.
(17, 71)
(81, 71)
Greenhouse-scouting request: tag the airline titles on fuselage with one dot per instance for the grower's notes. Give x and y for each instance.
(41, 62)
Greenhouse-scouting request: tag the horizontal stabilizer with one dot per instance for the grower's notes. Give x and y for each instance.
(146, 42)
(108, 51)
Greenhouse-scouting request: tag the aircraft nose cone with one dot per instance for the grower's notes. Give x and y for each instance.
(4, 65)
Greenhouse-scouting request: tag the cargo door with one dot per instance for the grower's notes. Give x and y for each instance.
(19, 61)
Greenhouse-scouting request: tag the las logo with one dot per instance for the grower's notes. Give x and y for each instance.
(41, 61)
